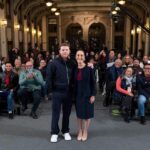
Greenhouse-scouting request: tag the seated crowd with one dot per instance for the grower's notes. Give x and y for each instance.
(123, 79)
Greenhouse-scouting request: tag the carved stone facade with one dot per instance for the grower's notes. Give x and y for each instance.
(85, 20)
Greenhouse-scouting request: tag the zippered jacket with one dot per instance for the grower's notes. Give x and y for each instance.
(59, 75)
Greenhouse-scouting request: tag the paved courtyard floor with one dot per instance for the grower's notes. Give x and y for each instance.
(106, 132)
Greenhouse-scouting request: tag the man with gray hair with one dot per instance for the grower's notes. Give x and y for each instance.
(112, 74)
(30, 82)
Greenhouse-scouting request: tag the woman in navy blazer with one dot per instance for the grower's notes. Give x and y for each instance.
(85, 95)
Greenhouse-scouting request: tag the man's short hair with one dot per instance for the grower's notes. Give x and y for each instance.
(64, 44)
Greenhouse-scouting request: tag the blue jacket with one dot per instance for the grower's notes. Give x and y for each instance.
(143, 86)
(113, 73)
(87, 84)
(59, 75)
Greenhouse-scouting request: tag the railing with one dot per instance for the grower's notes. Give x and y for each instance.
(133, 18)
(118, 9)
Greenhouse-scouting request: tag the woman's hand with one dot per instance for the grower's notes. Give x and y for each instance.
(92, 99)
(90, 65)
(130, 94)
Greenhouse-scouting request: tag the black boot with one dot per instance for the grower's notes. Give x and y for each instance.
(126, 116)
(142, 120)
(33, 115)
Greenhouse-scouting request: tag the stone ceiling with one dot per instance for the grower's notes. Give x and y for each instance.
(140, 7)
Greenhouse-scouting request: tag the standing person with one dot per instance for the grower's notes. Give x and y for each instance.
(85, 95)
(137, 70)
(144, 61)
(17, 66)
(13, 54)
(111, 58)
(42, 69)
(127, 62)
(102, 70)
(58, 81)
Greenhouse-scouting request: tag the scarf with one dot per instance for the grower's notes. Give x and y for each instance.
(128, 80)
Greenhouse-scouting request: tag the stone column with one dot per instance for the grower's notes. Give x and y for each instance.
(33, 35)
(16, 32)
(59, 30)
(128, 35)
(147, 38)
(25, 35)
(134, 38)
(44, 33)
(147, 44)
(38, 36)
(85, 32)
(139, 41)
(110, 35)
(3, 41)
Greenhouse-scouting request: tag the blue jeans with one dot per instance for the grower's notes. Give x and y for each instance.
(141, 105)
(10, 100)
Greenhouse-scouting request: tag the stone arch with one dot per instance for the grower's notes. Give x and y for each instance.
(74, 35)
(96, 36)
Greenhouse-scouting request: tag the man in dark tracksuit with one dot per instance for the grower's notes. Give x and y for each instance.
(59, 73)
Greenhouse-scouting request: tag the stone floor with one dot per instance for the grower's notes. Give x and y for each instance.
(107, 132)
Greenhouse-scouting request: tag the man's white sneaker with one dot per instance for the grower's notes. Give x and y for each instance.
(67, 136)
(54, 138)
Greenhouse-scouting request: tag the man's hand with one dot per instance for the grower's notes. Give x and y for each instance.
(30, 76)
(92, 99)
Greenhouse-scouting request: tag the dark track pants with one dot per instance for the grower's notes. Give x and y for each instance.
(60, 99)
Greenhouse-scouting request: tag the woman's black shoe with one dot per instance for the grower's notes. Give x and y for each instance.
(126, 116)
(142, 120)
(33, 115)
